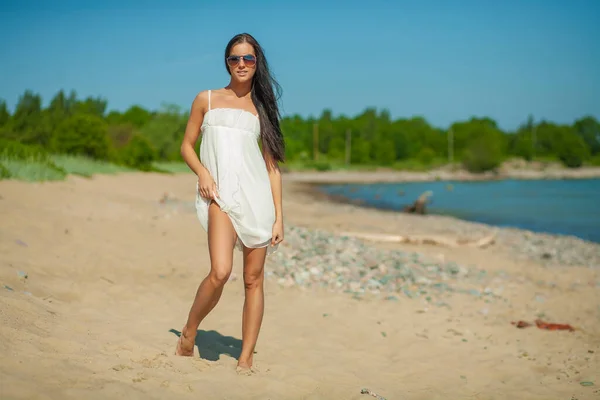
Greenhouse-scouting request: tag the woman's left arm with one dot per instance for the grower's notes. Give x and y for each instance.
(276, 189)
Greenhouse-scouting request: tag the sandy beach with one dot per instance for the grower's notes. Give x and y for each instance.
(98, 275)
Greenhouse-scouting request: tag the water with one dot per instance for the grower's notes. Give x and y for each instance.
(568, 207)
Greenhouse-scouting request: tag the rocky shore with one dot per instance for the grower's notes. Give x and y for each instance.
(519, 244)
(317, 259)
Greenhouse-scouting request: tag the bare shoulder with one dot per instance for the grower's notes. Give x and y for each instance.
(219, 94)
(201, 101)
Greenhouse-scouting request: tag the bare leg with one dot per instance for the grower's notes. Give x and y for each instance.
(221, 242)
(254, 304)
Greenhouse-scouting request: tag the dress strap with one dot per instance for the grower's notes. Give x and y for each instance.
(209, 99)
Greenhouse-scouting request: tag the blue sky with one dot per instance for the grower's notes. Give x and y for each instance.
(445, 60)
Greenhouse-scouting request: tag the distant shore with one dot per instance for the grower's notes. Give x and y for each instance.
(443, 174)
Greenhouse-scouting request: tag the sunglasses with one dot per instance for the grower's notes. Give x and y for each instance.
(249, 60)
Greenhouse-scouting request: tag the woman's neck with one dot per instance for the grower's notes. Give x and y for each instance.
(240, 89)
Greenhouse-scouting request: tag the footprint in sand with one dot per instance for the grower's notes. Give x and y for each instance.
(200, 365)
(158, 361)
(140, 378)
(121, 367)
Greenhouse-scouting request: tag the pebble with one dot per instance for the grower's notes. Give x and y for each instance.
(551, 250)
(315, 258)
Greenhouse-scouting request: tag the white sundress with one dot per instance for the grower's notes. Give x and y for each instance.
(229, 150)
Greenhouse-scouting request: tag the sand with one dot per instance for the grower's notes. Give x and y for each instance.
(111, 271)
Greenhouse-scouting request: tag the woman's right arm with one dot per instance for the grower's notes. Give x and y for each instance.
(206, 184)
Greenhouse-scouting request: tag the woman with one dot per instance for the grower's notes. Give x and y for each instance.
(238, 198)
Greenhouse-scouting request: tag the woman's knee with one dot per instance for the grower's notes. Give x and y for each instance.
(219, 273)
(253, 279)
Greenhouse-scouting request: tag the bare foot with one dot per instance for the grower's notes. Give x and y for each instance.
(244, 370)
(245, 367)
(185, 345)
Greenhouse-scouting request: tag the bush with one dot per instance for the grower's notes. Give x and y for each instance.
(120, 134)
(82, 134)
(483, 154)
(15, 150)
(320, 165)
(595, 161)
(4, 172)
(27, 162)
(138, 153)
(572, 150)
(426, 155)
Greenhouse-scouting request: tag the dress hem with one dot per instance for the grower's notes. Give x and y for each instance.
(239, 243)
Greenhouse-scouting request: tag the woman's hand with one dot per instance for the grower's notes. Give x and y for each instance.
(207, 186)
(277, 236)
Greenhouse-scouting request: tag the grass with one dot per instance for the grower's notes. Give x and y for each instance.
(53, 167)
(86, 167)
(326, 165)
(30, 170)
(58, 166)
(32, 163)
(172, 167)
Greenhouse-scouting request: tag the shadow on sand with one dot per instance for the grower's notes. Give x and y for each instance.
(211, 344)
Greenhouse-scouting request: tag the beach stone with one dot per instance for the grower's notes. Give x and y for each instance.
(344, 264)
(422, 280)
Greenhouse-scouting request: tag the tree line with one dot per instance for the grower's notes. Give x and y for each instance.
(138, 137)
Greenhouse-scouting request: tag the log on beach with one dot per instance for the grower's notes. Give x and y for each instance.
(419, 206)
(437, 240)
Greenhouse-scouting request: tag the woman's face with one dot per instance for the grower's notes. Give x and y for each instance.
(242, 62)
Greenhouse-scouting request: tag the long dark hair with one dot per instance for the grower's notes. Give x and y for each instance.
(265, 93)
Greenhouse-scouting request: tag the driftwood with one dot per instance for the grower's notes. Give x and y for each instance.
(370, 393)
(424, 239)
(418, 207)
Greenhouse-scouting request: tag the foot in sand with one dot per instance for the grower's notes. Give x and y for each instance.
(185, 344)
(245, 367)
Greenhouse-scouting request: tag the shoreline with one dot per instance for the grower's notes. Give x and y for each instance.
(541, 247)
(444, 175)
(310, 181)
(313, 190)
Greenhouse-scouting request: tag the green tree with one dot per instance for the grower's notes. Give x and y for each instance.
(4, 114)
(589, 130)
(27, 118)
(570, 148)
(137, 135)
(165, 132)
(479, 143)
(136, 116)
